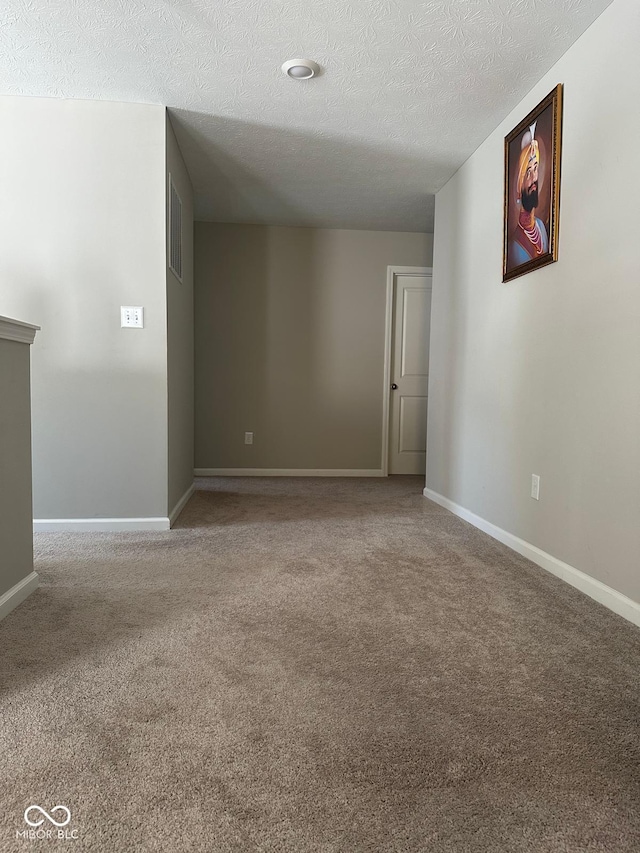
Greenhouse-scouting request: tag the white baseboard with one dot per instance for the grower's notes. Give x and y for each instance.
(175, 512)
(17, 594)
(600, 592)
(99, 525)
(288, 472)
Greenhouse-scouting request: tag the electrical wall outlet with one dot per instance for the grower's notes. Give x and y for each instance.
(131, 317)
(248, 438)
(535, 487)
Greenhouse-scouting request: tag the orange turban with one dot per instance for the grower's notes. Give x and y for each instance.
(530, 153)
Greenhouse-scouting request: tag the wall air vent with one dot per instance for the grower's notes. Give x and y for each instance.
(175, 230)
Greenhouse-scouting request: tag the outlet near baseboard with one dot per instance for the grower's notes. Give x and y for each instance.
(535, 487)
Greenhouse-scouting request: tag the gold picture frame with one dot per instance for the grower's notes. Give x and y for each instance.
(532, 156)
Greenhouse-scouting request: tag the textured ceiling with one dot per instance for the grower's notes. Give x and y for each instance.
(409, 89)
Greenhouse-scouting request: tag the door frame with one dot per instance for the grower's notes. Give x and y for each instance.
(392, 273)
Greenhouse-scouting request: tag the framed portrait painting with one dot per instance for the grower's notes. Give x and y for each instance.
(532, 153)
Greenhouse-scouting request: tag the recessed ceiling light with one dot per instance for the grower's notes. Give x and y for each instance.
(300, 69)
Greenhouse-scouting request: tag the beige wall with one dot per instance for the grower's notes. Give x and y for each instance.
(83, 232)
(180, 336)
(290, 343)
(16, 537)
(541, 375)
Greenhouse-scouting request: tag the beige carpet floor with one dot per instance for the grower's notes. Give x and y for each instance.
(316, 665)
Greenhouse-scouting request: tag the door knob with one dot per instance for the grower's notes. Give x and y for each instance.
(394, 387)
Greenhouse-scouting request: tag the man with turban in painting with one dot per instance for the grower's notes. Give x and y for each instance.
(530, 239)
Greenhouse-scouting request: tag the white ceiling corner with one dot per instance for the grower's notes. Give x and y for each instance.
(408, 90)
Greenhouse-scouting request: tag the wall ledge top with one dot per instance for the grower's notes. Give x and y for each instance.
(16, 330)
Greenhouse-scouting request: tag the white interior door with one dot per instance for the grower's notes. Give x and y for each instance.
(409, 374)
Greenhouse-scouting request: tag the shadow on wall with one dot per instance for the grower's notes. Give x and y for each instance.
(229, 344)
(290, 344)
(254, 346)
(317, 180)
(447, 378)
